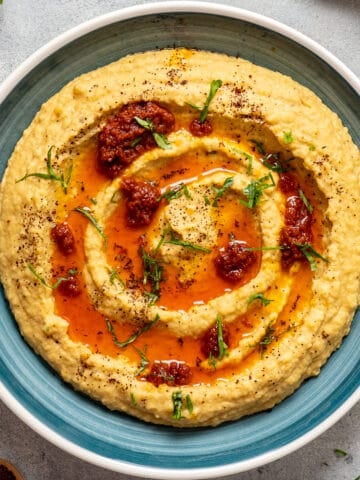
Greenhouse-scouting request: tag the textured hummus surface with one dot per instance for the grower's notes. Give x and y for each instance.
(263, 362)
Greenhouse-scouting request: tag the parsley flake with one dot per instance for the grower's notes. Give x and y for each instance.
(223, 348)
(255, 189)
(178, 404)
(144, 361)
(310, 254)
(176, 192)
(288, 137)
(219, 192)
(70, 273)
(86, 212)
(160, 139)
(133, 337)
(214, 87)
(259, 296)
(51, 175)
(306, 201)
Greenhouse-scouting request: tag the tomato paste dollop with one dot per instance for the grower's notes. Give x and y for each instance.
(234, 260)
(123, 139)
(141, 200)
(298, 221)
(172, 373)
(62, 235)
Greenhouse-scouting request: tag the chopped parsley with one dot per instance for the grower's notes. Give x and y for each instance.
(214, 87)
(176, 192)
(310, 254)
(183, 243)
(114, 275)
(152, 272)
(340, 453)
(86, 212)
(305, 201)
(268, 338)
(189, 404)
(144, 361)
(136, 141)
(223, 348)
(51, 175)
(255, 189)
(70, 273)
(179, 403)
(219, 192)
(259, 146)
(248, 157)
(261, 297)
(288, 137)
(176, 398)
(160, 139)
(153, 265)
(134, 336)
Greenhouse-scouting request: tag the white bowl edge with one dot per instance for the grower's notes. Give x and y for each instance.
(5, 88)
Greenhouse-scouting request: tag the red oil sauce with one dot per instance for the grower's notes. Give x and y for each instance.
(88, 326)
(236, 220)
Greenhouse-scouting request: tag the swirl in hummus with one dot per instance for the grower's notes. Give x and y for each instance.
(174, 245)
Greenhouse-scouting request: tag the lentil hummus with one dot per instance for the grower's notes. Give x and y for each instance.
(174, 244)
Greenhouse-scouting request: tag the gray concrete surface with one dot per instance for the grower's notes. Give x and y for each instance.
(26, 25)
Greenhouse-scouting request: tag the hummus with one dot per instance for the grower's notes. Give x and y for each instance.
(175, 245)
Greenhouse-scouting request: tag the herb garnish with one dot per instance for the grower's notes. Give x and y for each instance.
(71, 272)
(288, 137)
(136, 141)
(114, 275)
(88, 214)
(310, 254)
(219, 192)
(177, 400)
(51, 175)
(183, 243)
(160, 139)
(144, 361)
(189, 404)
(305, 201)
(259, 296)
(340, 453)
(248, 157)
(153, 271)
(176, 192)
(133, 337)
(223, 348)
(259, 146)
(214, 87)
(267, 339)
(115, 196)
(255, 190)
(152, 265)
(133, 399)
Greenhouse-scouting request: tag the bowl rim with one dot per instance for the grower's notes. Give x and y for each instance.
(182, 6)
(168, 473)
(177, 6)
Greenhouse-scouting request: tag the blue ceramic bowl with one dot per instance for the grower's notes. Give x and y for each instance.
(72, 421)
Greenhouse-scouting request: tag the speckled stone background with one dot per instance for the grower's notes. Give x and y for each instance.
(26, 25)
